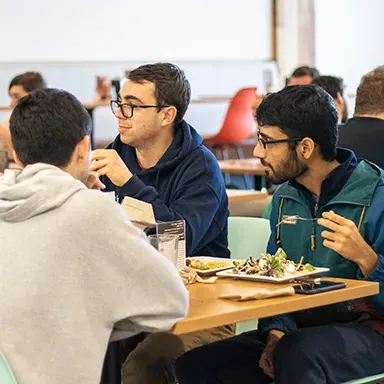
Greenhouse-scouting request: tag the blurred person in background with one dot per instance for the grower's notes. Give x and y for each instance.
(300, 76)
(303, 75)
(103, 94)
(20, 86)
(335, 87)
(364, 133)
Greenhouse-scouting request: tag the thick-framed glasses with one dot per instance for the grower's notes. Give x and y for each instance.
(264, 142)
(127, 109)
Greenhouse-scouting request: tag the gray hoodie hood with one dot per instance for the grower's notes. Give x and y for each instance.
(36, 189)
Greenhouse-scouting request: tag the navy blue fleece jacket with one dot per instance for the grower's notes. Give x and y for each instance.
(186, 184)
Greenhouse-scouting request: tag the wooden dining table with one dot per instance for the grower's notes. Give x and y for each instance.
(250, 166)
(244, 196)
(243, 166)
(207, 310)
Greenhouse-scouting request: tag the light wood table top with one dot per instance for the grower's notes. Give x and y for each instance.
(243, 196)
(245, 166)
(208, 311)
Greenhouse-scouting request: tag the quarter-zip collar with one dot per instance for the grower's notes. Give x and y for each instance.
(334, 182)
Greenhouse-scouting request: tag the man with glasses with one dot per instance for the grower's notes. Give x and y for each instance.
(343, 198)
(159, 158)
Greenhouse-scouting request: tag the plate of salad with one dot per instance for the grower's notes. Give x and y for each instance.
(271, 269)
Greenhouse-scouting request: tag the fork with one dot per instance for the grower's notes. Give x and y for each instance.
(295, 217)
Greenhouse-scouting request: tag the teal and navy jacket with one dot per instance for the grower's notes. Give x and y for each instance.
(354, 190)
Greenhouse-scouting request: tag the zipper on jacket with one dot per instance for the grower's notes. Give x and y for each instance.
(313, 236)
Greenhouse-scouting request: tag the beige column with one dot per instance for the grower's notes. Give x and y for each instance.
(294, 34)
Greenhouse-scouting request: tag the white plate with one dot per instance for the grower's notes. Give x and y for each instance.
(268, 279)
(207, 272)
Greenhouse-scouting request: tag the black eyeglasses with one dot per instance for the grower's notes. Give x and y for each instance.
(264, 142)
(127, 109)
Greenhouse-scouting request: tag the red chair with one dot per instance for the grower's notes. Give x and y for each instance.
(237, 126)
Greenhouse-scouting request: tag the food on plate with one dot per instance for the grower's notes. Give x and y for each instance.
(276, 265)
(205, 265)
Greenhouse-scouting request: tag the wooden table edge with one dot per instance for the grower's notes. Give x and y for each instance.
(243, 171)
(247, 197)
(236, 167)
(331, 297)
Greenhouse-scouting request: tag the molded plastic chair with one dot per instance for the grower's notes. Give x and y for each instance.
(247, 236)
(238, 122)
(6, 374)
(236, 128)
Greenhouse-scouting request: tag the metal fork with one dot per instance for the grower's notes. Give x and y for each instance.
(295, 217)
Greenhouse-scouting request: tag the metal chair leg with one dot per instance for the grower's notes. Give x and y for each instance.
(239, 152)
(240, 156)
(225, 156)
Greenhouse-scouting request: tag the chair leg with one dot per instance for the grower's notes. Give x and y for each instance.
(224, 152)
(214, 150)
(225, 156)
(240, 156)
(239, 152)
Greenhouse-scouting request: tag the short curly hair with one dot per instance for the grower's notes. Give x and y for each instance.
(303, 111)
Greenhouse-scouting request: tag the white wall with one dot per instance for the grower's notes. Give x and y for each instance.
(287, 38)
(119, 30)
(207, 78)
(349, 38)
(222, 45)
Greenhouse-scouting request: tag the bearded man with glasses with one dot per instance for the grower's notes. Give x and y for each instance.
(342, 199)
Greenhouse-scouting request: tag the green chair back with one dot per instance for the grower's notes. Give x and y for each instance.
(6, 374)
(247, 236)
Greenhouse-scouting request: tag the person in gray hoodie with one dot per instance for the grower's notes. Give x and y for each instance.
(72, 263)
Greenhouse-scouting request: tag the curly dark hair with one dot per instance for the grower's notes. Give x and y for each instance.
(46, 125)
(303, 111)
(333, 85)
